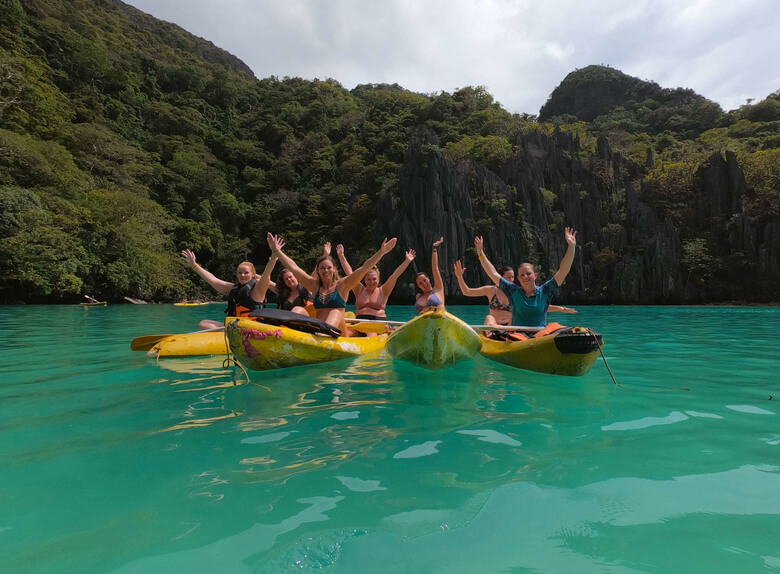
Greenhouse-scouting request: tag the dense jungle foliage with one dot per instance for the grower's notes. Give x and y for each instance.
(124, 139)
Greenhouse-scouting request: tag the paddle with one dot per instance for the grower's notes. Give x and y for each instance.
(371, 325)
(505, 328)
(383, 321)
(148, 341)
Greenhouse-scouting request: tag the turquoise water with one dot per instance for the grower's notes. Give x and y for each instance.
(111, 462)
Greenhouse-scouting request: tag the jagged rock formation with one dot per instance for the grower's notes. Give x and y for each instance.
(626, 254)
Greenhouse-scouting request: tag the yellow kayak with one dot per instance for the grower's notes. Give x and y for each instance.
(95, 304)
(191, 345)
(262, 346)
(434, 340)
(571, 351)
(190, 304)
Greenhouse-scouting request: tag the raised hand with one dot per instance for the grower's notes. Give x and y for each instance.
(479, 245)
(274, 242)
(571, 236)
(459, 269)
(387, 245)
(189, 257)
(339, 249)
(410, 255)
(437, 243)
(326, 248)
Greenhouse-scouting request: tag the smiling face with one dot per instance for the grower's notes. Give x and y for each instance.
(289, 279)
(526, 275)
(372, 279)
(326, 270)
(245, 273)
(423, 283)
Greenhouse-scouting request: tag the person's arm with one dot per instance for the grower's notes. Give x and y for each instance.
(389, 285)
(485, 262)
(343, 260)
(559, 309)
(438, 282)
(261, 287)
(221, 286)
(276, 243)
(348, 283)
(485, 291)
(568, 259)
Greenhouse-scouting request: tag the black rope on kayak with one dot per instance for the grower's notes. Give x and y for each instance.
(606, 364)
(231, 359)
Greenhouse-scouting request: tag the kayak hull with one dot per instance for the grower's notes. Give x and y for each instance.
(571, 352)
(434, 340)
(190, 304)
(261, 347)
(97, 304)
(191, 345)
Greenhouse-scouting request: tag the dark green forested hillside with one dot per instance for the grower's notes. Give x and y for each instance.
(124, 139)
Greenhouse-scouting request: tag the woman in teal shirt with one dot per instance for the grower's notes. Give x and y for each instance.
(529, 300)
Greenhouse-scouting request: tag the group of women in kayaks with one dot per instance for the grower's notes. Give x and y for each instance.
(312, 325)
(323, 293)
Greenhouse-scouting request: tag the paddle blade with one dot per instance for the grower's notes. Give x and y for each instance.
(369, 327)
(146, 342)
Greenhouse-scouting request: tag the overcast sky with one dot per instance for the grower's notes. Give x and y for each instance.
(520, 50)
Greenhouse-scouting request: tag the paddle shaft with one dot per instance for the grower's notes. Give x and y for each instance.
(475, 327)
(505, 328)
(383, 321)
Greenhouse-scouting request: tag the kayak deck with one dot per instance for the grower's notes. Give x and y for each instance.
(569, 352)
(261, 346)
(433, 340)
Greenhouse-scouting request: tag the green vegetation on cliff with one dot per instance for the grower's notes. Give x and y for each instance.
(124, 139)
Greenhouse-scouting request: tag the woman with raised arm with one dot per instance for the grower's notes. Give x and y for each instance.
(371, 298)
(244, 296)
(498, 302)
(430, 296)
(530, 302)
(331, 292)
(500, 306)
(291, 295)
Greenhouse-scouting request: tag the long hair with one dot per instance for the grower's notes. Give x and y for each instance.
(282, 290)
(335, 268)
(416, 277)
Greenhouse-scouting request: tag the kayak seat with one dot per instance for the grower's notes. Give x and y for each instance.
(295, 321)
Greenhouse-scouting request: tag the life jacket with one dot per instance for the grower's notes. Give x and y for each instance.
(240, 302)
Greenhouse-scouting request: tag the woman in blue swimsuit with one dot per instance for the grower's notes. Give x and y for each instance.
(500, 313)
(530, 302)
(430, 296)
(331, 291)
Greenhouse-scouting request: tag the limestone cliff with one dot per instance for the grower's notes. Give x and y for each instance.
(627, 253)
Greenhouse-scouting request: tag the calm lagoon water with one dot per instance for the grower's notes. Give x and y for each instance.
(111, 462)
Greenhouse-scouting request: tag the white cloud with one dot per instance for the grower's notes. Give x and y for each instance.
(519, 49)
